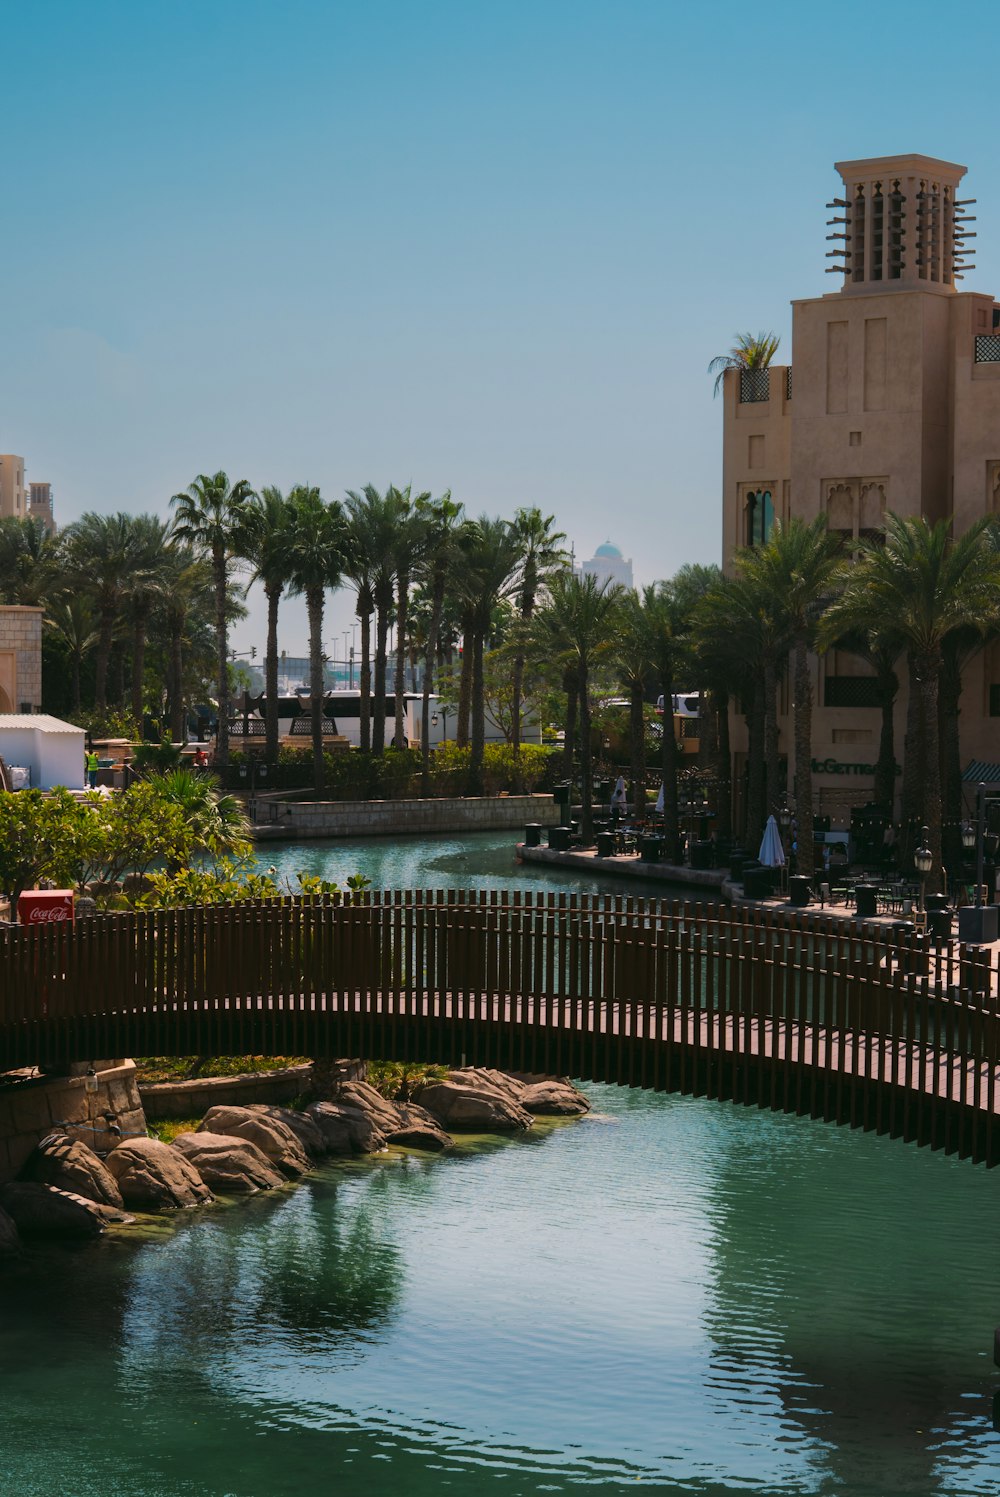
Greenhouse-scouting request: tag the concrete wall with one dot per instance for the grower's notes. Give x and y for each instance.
(31, 1109)
(361, 818)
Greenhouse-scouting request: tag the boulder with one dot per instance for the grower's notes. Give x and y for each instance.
(272, 1137)
(346, 1130)
(44, 1211)
(359, 1094)
(154, 1177)
(418, 1130)
(554, 1098)
(302, 1126)
(70, 1165)
(231, 1166)
(10, 1242)
(472, 1107)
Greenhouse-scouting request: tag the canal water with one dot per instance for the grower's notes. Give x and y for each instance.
(672, 1295)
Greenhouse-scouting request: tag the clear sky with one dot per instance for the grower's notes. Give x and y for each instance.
(487, 246)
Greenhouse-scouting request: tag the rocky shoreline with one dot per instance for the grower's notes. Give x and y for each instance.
(66, 1190)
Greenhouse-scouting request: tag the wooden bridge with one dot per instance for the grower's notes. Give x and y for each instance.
(853, 1026)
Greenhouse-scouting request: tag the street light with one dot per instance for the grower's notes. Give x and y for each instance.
(444, 722)
(923, 861)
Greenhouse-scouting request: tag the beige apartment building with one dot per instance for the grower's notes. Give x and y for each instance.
(13, 496)
(894, 404)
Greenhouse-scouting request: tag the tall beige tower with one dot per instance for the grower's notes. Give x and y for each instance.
(893, 404)
(13, 498)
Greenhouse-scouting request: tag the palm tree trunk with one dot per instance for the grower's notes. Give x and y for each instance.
(381, 640)
(929, 669)
(753, 821)
(478, 714)
(273, 594)
(103, 657)
(571, 686)
(884, 792)
(771, 739)
(949, 711)
(433, 630)
(314, 608)
(402, 610)
(76, 682)
(912, 749)
(222, 651)
(803, 759)
(586, 755)
(176, 688)
(465, 691)
(723, 764)
(668, 761)
(365, 678)
(138, 666)
(637, 744)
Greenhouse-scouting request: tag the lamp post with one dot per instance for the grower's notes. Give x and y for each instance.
(444, 722)
(923, 861)
(254, 771)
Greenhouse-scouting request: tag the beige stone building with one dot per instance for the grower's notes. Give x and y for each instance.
(40, 505)
(894, 405)
(13, 495)
(20, 659)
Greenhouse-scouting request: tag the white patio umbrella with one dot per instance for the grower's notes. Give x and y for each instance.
(659, 799)
(772, 854)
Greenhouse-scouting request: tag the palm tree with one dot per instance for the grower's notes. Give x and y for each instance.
(30, 571)
(101, 562)
(542, 552)
(578, 622)
(315, 550)
(796, 567)
(632, 656)
(410, 539)
(371, 552)
(441, 517)
(146, 585)
(750, 352)
(666, 623)
(881, 647)
(212, 515)
(489, 566)
(72, 622)
(927, 585)
(269, 521)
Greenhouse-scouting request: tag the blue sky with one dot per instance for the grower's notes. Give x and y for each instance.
(487, 246)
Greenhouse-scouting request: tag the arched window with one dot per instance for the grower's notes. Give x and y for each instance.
(760, 516)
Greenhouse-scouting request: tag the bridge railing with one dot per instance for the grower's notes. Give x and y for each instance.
(858, 1025)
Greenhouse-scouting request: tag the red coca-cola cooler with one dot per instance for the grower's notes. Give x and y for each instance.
(45, 906)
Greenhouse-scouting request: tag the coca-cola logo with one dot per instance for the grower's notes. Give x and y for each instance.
(41, 914)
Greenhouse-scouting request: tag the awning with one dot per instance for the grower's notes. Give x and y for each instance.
(979, 772)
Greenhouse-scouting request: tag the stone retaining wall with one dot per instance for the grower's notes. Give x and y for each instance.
(31, 1109)
(192, 1099)
(374, 818)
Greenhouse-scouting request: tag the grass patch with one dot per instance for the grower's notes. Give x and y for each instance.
(167, 1129)
(153, 1068)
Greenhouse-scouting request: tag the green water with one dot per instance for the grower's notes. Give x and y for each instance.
(672, 1295)
(675, 1293)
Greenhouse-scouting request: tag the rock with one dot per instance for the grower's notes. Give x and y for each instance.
(305, 1130)
(418, 1130)
(231, 1166)
(346, 1130)
(472, 1107)
(44, 1211)
(273, 1138)
(153, 1177)
(359, 1094)
(10, 1242)
(554, 1098)
(70, 1165)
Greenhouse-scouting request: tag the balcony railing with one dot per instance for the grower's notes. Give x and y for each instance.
(755, 385)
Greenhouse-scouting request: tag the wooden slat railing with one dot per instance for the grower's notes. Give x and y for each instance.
(858, 1026)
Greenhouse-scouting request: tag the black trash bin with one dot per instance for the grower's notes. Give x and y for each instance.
(737, 858)
(650, 849)
(533, 834)
(757, 883)
(866, 901)
(605, 844)
(939, 923)
(935, 902)
(559, 838)
(701, 854)
(798, 890)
